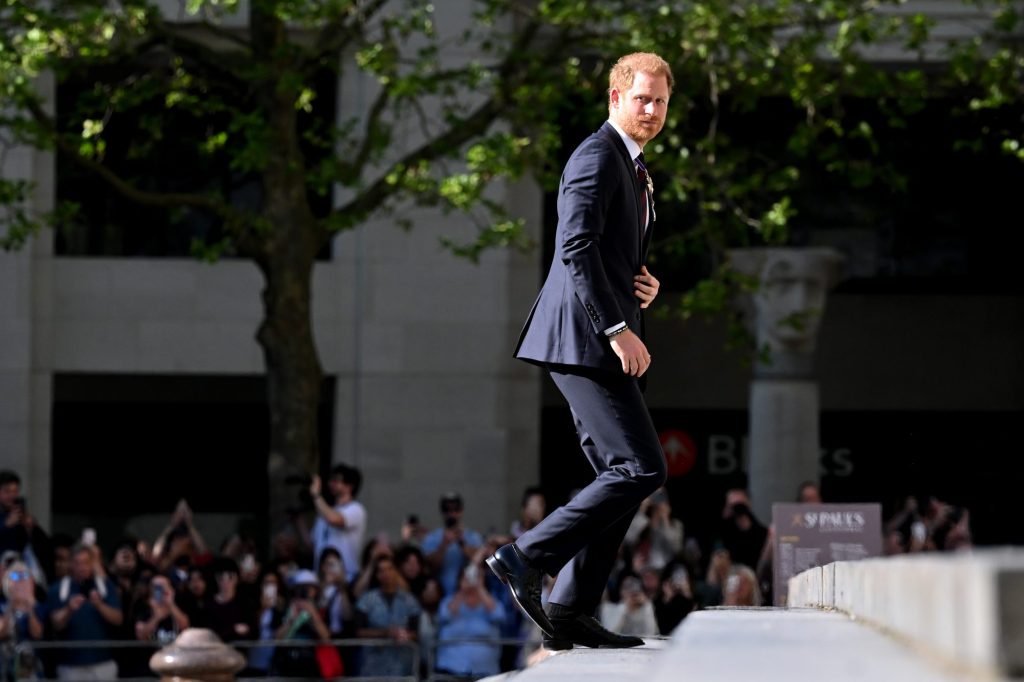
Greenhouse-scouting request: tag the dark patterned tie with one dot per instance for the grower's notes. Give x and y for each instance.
(643, 179)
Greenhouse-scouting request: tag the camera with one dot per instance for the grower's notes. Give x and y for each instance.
(413, 520)
(450, 522)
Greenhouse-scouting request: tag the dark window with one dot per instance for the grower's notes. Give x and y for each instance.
(132, 445)
(157, 149)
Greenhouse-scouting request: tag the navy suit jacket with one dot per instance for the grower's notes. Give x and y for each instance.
(599, 247)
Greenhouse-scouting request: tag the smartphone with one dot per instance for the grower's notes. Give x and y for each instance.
(732, 583)
(89, 537)
(679, 577)
(270, 591)
(473, 574)
(158, 593)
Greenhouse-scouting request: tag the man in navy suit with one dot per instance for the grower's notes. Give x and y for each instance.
(586, 329)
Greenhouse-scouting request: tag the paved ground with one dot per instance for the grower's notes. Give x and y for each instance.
(592, 665)
(730, 645)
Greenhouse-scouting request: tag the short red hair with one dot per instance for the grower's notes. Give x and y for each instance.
(625, 70)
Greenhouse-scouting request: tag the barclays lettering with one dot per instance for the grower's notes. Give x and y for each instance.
(728, 455)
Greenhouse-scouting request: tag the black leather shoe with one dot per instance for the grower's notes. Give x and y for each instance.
(584, 630)
(511, 567)
(556, 643)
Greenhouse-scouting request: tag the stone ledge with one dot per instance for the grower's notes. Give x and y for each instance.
(967, 607)
(763, 644)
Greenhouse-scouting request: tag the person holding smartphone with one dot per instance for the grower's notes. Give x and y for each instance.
(85, 606)
(451, 547)
(340, 522)
(20, 533)
(159, 619)
(470, 613)
(271, 615)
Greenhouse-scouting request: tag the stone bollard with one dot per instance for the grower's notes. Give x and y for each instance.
(197, 655)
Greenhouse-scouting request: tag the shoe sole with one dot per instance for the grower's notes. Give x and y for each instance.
(499, 570)
(557, 644)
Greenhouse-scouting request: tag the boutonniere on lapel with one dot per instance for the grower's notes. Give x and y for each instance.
(650, 196)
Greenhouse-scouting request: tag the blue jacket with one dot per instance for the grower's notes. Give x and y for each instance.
(599, 248)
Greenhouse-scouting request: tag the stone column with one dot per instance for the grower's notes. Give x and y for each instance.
(197, 655)
(785, 309)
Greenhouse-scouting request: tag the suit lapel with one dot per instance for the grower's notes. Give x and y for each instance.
(629, 169)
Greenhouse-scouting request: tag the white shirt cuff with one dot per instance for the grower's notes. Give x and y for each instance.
(612, 330)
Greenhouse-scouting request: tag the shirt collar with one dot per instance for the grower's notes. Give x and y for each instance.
(631, 146)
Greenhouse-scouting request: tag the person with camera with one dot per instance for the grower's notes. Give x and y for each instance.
(21, 617)
(180, 545)
(676, 600)
(387, 611)
(159, 619)
(657, 537)
(740, 531)
(19, 531)
(302, 621)
(634, 614)
(470, 613)
(85, 606)
(341, 523)
(450, 548)
(269, 619)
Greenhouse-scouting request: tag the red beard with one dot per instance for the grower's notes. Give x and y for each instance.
(641, 129)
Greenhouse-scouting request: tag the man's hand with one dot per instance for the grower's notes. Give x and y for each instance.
(632, 352)
(645, 287)
(314, 485)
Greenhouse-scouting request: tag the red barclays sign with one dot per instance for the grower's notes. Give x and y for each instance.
(680, 451)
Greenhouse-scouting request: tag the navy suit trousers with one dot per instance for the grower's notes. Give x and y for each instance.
(580, 540)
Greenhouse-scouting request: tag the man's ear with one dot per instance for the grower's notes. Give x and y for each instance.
(613, 97)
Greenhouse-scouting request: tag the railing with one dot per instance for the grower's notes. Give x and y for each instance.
(14, 657)
(434, 676)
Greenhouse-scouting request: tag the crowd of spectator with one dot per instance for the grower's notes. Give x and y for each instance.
(326, 580)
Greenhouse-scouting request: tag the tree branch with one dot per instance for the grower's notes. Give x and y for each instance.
(458, 133)
(161, 199)
(178, 39)
(224, 34)
(336, 36)
(372, 125)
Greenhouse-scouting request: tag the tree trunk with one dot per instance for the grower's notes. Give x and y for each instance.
(286, 255)
(294, 378)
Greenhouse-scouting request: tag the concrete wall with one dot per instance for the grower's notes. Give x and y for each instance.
(964, 607)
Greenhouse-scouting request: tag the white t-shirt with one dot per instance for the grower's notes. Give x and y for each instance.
(348, 540)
